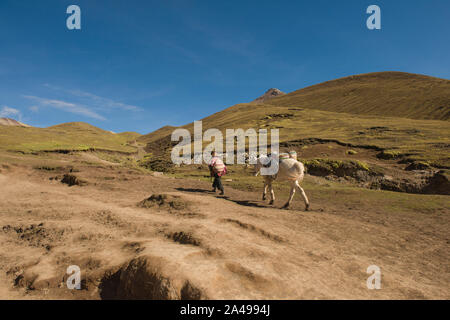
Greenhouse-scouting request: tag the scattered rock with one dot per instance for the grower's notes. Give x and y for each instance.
(72, 180)
(183, 238)
(353, 168)
(438, 183)
(165, 201)
(389, 155)
(418, 165)
(379, 129)
(161, 164)
(271, 93)
(278, 116)
(36, 235)
(430, 183)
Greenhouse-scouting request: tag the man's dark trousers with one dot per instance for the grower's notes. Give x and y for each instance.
(217, 184)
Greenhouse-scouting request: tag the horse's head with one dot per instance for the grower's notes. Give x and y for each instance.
(262, 161)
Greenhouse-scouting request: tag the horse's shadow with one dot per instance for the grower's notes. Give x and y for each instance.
(193, 190)
(248, 203)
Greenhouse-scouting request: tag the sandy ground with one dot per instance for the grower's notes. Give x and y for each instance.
(205, 246)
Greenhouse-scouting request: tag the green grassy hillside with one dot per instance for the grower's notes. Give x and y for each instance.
(427, 140)
(372, 110)
(398, 137)
(67, 136)
(157, 134)
(394, 94)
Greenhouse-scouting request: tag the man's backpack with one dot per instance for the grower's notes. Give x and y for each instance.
(218, 167)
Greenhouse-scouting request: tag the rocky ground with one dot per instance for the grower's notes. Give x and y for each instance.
(136, 235)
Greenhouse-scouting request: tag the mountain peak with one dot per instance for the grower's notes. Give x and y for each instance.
(12, 123)
(271, 93)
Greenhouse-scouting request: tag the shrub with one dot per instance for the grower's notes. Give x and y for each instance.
(161, 164)
(389, 155)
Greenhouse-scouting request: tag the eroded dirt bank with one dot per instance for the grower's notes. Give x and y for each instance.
(187, 243)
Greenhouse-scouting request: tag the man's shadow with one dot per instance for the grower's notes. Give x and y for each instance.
(193, 190)
(247, 203)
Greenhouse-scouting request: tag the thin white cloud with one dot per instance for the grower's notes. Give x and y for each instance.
(6, 112)
(34, 108)
(66, 106)
(100, 102)
(104, 101)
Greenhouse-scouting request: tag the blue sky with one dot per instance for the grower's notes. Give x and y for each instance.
(139, 65)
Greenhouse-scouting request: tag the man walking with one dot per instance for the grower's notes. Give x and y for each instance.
(217, 169)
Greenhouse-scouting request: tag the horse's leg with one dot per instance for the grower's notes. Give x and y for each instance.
(302, 192)
(272, 194)
(291, 196)
(265, 190)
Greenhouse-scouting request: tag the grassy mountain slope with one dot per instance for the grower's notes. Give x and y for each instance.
(395, 94)
(66, 136)
(414, 139)
(129, 135)
(155, 135)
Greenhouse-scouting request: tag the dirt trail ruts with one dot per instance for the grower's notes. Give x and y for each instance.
(212, 248)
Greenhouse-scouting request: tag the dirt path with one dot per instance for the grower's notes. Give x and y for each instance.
(193, 244)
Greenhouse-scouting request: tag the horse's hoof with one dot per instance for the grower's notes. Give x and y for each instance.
(286, 206)
(271, 202)
(264, 198)
(307, 207)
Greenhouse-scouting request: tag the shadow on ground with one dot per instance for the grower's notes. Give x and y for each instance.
(247, 203)
(194, 190)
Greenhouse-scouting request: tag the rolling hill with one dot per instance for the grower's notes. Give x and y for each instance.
(403, 115)
(358, 111)
(66, 136)
(394, 94)
(157, 134)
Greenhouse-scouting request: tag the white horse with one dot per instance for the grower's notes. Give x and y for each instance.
(289, 170)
